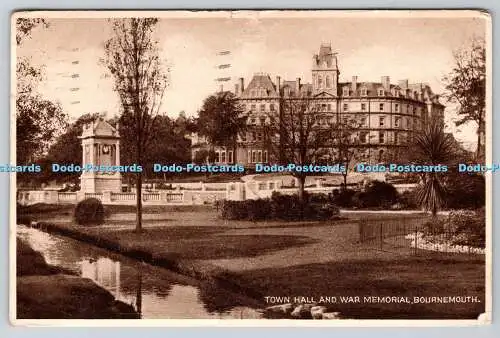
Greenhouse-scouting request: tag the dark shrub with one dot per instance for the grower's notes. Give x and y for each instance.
(89, 212)
(286, 207)
(465, 190)
(279, 207)
(343, 197)
(407, 200)
(380, 194)
(233, 210)
(319, 198)
(358, 200)
(259, 209)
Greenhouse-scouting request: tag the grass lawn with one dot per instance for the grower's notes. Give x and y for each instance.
(202, 242)
(190, 242)
(414, 276)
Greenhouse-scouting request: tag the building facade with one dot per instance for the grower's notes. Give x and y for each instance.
(388, 115)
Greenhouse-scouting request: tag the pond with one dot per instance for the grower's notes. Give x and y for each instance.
(156, 293)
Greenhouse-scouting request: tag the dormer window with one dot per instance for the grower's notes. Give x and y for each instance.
(364, 92)
(380, 92)
(345, 91)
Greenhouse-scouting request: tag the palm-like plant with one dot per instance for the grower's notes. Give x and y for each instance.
(432, 146)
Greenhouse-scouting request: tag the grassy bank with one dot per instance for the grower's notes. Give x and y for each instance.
(49, 292)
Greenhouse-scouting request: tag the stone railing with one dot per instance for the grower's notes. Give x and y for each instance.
(121, 198)
(202, 195)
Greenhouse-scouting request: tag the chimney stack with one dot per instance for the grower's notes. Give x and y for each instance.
(297, 85)
(242, 85)
(386, 82)
(278, 85)
(236, 87)
(354, 84)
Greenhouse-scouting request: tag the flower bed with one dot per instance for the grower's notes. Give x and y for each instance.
(435, 243)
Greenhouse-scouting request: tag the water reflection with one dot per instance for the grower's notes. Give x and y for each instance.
(154, 292)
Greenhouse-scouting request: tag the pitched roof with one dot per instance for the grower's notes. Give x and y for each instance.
(261, 82)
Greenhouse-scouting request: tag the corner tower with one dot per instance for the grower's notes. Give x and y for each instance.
(325, 71)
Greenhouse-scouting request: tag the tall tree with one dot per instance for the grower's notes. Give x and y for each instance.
(221, 120)
(346, 144)
(132, 57)
(38, 120)
(294, 136)
(466, 86)
(432, 146)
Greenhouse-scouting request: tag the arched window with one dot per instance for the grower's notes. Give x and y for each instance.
(328, 82)
(320, 81)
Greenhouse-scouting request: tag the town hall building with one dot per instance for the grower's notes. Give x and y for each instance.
(388, 114)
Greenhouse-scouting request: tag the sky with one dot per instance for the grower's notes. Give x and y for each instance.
(414, 47)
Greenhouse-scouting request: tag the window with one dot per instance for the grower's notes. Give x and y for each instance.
(329, 107)
(346, 107)
(345, 91)
(252, 107)
(271, 106)
(223, 157)
(396, 107)
(381, 121)
(262, 107)
(363, 137)
(253, 120)
(259, 136)
(363, 107)
(254, 136)
(262, 120)
(323, 107)
(265, 156)
(381, 92)
(244, 137)
(397, 122)
(320, 81)
(364, 92)
(381, 107)
(217, 157)
(363, 121)
(381, 137)
(396, 138)
(249, 156)
(328, 82)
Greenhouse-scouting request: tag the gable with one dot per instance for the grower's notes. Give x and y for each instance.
(324, 95)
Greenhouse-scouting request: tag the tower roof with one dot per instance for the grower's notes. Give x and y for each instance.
(99, 128)
(325, 58)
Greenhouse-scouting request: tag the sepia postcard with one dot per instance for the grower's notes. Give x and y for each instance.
(251, 168)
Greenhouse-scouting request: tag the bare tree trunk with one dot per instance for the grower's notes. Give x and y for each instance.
(138, 225)
(301, 194)
(480, 131)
